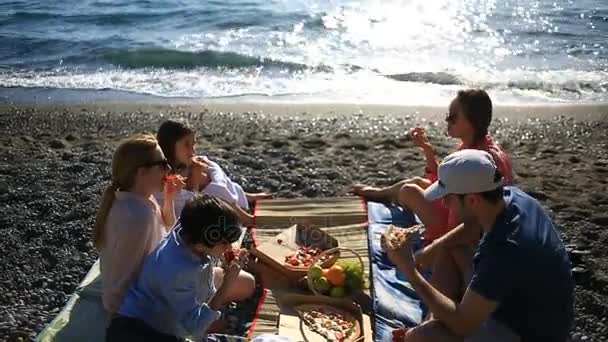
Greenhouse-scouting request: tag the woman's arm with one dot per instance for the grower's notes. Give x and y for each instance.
(419, 138)
(173, 186)
(431, 162)
(168, 213)
(199, 174)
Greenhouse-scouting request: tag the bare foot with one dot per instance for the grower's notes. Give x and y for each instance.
(258, 196)
(368, 192)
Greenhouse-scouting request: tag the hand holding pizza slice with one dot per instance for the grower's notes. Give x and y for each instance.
(241, 256)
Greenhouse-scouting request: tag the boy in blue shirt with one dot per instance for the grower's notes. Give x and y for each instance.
(517, 284)
(175, 295)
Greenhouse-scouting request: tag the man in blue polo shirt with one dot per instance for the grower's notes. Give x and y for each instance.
(518, 286)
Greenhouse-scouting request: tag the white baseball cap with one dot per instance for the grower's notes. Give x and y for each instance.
(464, 172)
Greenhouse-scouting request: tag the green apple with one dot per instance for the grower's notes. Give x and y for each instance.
(315, 272)
(321, 284)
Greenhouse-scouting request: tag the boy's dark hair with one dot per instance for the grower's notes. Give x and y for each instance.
(476, 106)
(168, 134)
(210, 221)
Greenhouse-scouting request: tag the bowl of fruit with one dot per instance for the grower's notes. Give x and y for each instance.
(304, 256)
(343, 277)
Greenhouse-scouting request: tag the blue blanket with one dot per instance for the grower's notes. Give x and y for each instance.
(395, 302)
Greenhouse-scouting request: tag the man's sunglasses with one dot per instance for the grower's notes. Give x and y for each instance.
(163, 162)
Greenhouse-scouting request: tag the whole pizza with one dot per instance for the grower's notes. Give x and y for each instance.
(332, 323)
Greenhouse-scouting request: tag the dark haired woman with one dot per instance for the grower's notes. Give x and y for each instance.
(177, 141)
(468, 119)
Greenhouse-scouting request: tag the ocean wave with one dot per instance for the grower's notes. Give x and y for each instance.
(175, 59)
(93, 18)
(571, 86)
(442, 78)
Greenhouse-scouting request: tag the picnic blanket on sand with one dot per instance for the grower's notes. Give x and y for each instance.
(395, 302)
(83, 317)
(345, 218)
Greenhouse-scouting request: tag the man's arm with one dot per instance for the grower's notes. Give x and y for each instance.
(494, 278)
(463, 318)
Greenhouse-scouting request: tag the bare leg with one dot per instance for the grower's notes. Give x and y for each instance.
(452, 271)
(389, 193)
(431, 331)
(245, 217)
(242, 288)
(446, 275)
(412, 196)
(257, 196)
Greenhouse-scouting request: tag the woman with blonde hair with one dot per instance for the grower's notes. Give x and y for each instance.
(130, 223)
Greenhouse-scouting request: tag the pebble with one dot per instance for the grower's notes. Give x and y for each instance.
(600, 219)
(57, 144)
(67, 156)
(75, 168)
(539, 195)
(307, 160)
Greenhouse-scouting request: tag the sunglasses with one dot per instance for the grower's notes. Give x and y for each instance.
(450, 117)
(163, 162)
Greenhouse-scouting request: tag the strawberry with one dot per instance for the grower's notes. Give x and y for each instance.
(229, 256)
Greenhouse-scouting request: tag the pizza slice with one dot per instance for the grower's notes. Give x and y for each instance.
(333, 324)
(398, 236)
(239, 255)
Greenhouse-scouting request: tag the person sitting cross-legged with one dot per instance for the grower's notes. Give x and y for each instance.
(516, 285)
(178, 293)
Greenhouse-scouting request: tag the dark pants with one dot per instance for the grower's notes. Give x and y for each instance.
(126, 329)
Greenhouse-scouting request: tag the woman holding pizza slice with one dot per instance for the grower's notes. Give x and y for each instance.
(130, 223)
(468, 119)
(201, 174)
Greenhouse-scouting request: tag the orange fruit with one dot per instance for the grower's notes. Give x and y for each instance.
(336, 275)
(325, 270)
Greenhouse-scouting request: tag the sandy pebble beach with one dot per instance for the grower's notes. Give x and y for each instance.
(55, 162)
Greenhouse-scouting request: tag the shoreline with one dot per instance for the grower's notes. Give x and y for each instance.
(582, 112)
